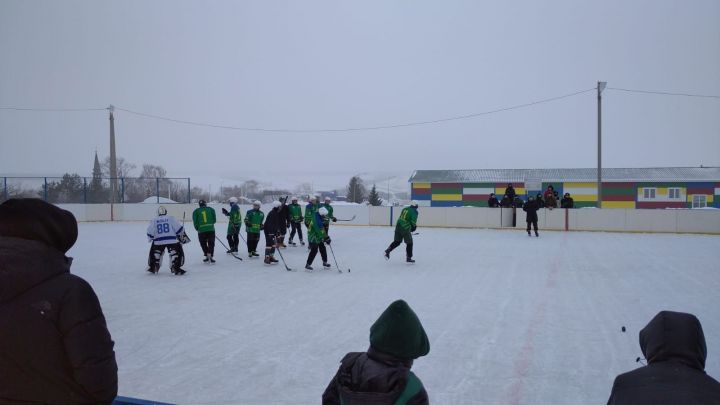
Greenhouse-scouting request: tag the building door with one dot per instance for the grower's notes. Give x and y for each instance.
(699, 201)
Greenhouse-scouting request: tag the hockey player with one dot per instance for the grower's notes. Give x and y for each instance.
(253, 225)
(165, 232)
(272, 229)
(531, 209)
(284, 222)
(310, 209)
(204, 223)
(328, 218)
(406, 225)
(316, 238)
(234, 222)
(296, 218)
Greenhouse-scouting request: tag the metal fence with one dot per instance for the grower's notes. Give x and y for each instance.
(97, 190)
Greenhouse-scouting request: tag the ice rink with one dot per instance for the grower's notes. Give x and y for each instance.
(511, 319)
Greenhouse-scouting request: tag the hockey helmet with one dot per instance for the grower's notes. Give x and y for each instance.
(233, 200)
(294, 199)
(202, 203)
(162, 210)
(328, 199)
(413, 203)
(323, 211)
(276, 204)
(257, 203)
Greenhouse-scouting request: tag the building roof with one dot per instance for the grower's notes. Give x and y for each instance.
(608, 174)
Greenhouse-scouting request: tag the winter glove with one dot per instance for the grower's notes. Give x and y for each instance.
(327, 240)
(224, 211)
(184, 239)
(334, 219)
(262, 227)
(413, 228)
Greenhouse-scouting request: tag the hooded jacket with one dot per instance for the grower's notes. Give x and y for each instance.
(674, 345)
(531, 208)
(382, 375)
(54, 344)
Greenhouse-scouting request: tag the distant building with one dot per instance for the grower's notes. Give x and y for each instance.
(659, 187)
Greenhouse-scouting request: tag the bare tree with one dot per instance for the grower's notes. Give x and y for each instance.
(124, 168)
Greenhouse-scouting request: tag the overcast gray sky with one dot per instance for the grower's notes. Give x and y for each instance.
(331, 64)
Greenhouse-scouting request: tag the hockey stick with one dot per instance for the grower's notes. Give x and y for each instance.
(347, 220)
(336, 263)
(281, 255)
(227, 248)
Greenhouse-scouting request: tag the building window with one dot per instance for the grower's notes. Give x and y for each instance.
(699, 201)
(674, 193)
(649, 193)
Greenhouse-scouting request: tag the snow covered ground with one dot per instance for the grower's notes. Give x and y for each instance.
(511, 319)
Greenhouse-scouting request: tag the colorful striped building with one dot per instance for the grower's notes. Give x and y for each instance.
(660, 187)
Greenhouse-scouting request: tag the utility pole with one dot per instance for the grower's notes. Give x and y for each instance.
(113, 157)
(600, 88)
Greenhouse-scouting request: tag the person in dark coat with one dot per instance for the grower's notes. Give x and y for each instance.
(539, 201)
(274, 225)
(493, 201)
(382, 375)
(506, 202)
(567, 201)
(284, 222)
(55, 347)
(518, 202)
(510, 191)
(531, 209)
(674, 345)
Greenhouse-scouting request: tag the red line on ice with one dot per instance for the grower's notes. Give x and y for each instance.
(522, 361)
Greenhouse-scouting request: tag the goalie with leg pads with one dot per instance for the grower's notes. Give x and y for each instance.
(165, 232)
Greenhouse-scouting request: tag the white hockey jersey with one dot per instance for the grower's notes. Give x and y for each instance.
(164, 230)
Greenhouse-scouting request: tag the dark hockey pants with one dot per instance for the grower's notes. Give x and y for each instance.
(207, 242)
(233, 239)
(534, 224)
(296, 227)
(252, 241)
(269, 244)
(314, 247)
(175, 251)
(400, 236)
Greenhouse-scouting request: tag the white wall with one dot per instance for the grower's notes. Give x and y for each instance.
(707, 221)
(597, 220)
(634, 220)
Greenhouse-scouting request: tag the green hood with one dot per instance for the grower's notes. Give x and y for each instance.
(399, 332)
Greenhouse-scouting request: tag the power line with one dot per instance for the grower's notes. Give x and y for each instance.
(52, 109)
(664, 93)
(369, 128)
(366, 128)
